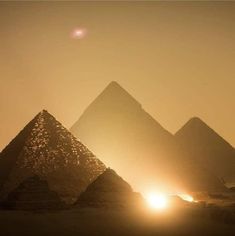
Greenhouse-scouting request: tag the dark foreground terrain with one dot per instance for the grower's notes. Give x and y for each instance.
(106, 221)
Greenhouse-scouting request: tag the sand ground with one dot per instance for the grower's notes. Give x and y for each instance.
(108, 221)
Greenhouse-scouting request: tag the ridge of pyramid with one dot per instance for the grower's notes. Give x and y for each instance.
(46, 148)
(109, 181)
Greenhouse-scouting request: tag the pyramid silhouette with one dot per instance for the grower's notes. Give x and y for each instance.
(33, 194)
(46, 149)
(127, 138)
(109, 189)
(208, 148)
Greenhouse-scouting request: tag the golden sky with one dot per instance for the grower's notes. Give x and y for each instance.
(176, 58)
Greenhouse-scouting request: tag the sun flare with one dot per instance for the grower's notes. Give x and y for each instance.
(186, 197)
(157, 201)
(79, 33)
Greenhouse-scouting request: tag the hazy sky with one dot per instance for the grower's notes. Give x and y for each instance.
(176, 58)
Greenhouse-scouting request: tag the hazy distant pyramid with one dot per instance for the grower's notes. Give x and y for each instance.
(109, 189)
(46, 149)
(210, 149)
(127, 138)
(33, 194)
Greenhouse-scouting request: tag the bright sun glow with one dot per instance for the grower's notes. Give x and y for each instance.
(186, 197)
(79, 33)
(157, 201)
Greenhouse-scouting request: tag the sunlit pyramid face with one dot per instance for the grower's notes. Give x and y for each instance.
(79, 33)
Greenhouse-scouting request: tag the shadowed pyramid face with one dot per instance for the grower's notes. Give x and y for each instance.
(209, 148)
(45, 148)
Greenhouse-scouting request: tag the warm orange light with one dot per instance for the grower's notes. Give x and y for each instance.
(79, 33)
(186, 197)
(157, 201)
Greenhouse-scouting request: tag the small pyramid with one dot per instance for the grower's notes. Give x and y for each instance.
(46, 149)
(109, 189)
(33, 194)
(208, 148)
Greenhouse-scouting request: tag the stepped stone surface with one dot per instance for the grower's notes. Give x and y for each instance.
(33, 194)
(46, 149)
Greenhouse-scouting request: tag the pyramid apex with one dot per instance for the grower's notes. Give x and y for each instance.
(114, 92)
(195, 120)
(115, 85)
(193, 123)
(43, 112)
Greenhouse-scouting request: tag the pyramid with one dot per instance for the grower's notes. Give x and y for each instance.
(46, 149)
(208, 148)
(109, 189)
(117, 128)
(33, 194)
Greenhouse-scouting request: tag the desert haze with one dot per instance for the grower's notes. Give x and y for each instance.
(117, 118)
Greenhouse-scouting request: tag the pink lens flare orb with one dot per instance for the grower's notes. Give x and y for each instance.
(79, 33)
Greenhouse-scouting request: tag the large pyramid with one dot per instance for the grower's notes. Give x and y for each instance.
(109, 189)
(209, 148)
(46, 149)
(127, 138)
